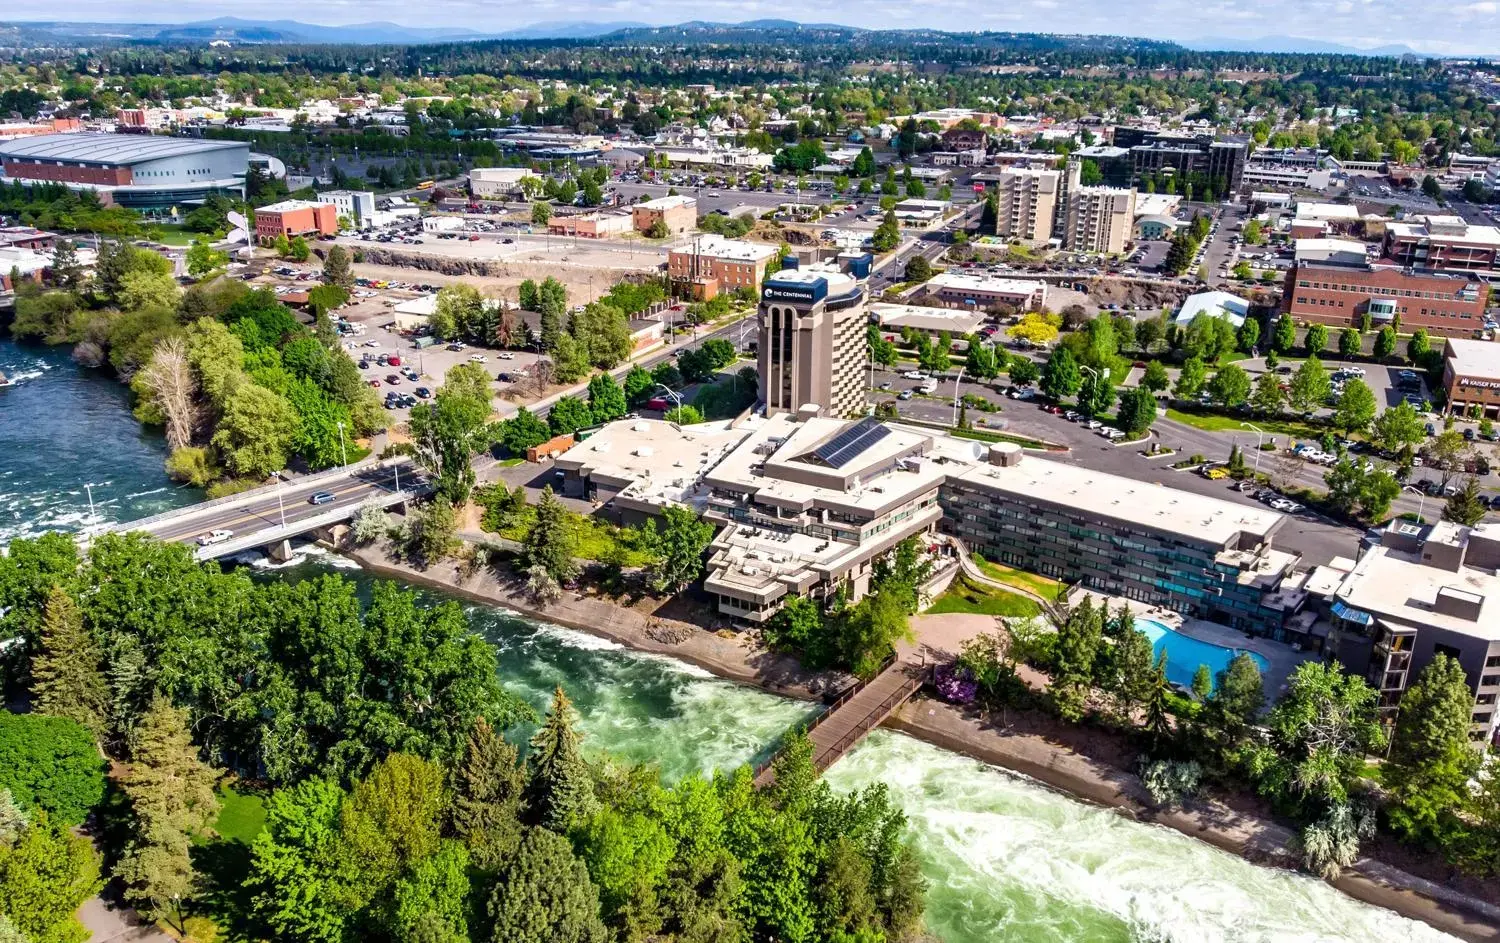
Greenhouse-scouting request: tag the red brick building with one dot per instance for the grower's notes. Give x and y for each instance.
(1341, 295)
(296, 218)
(1444, 244)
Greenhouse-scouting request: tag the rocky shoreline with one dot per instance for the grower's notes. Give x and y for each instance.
(967, 733)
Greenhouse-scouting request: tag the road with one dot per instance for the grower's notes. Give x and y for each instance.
(288, 504)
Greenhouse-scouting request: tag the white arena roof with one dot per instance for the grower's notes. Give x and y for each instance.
(113, 149)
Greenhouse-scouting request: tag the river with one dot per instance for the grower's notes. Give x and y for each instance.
(1008, 859)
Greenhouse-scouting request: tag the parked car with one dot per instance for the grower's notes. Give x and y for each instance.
(393, 379)
(422, 392)
(904, 395)
(658, 403)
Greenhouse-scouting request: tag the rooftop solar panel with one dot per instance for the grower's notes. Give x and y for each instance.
(849, 444)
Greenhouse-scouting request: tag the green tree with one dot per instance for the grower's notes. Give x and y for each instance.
(1286, 335)
(487, 789)
(544, 895)
(686, 415)
(1137, 411)
(1134, 672)
(67, 273)
(1238, 694)
(1350, 343)
(390, 820)
(1230, 386)
(677, 546)
(1431, 188)
(256, 431)
(338, 268)
(1321, 729)
(1467, 506)
(1316, 340)
(1385, 343)
(1077, 650)
(171, 794)
(1419, 348)
(887, 235)
(446, 434)
(1190, 379)
(1356, 408)
(52, 763)
(638, 385)
(1096, 395)
(1248, 335)
(568, 415)
(46, 874)
(1023, 371)
(1431, 760)
(294, 874)
(66, 673)
(1155, 377)
(1203, 683)
(541, 214)
(1309, 387)
(522, 431)
(203, 258)
(550, 540)
(560, 794)
(1268, 396)
(1398, 428)
(606, 399)
(1061, 377)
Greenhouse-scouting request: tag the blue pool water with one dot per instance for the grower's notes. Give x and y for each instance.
(1185, 654)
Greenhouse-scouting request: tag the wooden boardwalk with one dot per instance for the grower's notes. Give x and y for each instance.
(858, 711)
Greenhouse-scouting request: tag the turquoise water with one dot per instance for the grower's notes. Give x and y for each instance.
(1185, 654)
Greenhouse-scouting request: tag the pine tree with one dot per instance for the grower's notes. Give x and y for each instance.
(67, 679)
(487, 788)
(67, 274)
(1158, 720)
(171, 793)
(549, 542)
(1431, 761)
(336, 268)
(561, 792)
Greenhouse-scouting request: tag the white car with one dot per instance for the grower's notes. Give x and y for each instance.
(215, 537)
(505, 355)
(912, 375)
(478, 358)
(372, 343)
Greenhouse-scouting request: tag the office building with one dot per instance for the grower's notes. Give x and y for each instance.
(1216, 165)
(1315, 220)
(710, 265)
(149, 173)
(983, 292)
(1100, 219)
(1471, 376)
(933, 322)
(357, 206)
(295, 218)
(675, 214)
(497, 183)
(1444, 244)
(1026, 204)
(1342, 295)
(1424, 591)
(812, 346)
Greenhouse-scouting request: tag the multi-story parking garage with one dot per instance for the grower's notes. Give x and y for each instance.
(149, 173)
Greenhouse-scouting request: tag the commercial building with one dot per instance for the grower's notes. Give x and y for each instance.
(1100, 219)
(812, 341)
(357, 206)
(590, 225)
(10, 130)
(497, 183)
(1114, 164)
(1444, 244)
(24, 263)
(920, 212)
(961, 290)
(709, 265)
(1215, 304)
(955, 322)
(676, 214)
(149, 173)
(1471, 375)
(1424, 591)
(1337, 251)
(1341, 296)
(295, 218)
(1157, 227)
(1314, 220)
(27, 237)
(1026, 204)
(1220, 164)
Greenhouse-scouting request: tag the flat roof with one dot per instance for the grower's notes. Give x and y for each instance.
(1327, 211)
(667, 203)
(1473, 358)
(100, 148)
(734, 250)
(288, 206)
(1399, 586)
(654, 461)
(1446, 229)
(984, 283)
(1218, 304)
(957, 321)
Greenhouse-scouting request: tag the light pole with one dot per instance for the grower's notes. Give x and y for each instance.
(343, 455)
(281, 507)
(1259, 437)
(956, 384)
(87, 486)
(397, 469)
(1095, 374)
(670, 392)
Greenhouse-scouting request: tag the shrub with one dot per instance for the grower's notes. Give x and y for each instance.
(955, 684)
(1170, 782)
(193, 465)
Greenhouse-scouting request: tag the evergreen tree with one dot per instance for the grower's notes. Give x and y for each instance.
(549, 542)
(561, 792)
(67, 274)
(544, 895)
(487, 789)
(337, 269)
(1431, 761)
(1158, 715)
(1467, 506)
(67, 674)
(171, 795)
(13, 819)
(1203, 683)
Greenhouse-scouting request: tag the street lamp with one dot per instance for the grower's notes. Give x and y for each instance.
(343, 455)
(956, 384)
(1259, 437)
(279, 505)
(1092, 372)
(670, 392)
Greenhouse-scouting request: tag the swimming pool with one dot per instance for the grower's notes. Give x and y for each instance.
(1185, 654)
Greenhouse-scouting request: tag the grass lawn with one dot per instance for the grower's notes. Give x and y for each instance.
(593, 539)
(1213, 422)
(964, 596)
(171, 236)
(1044, 587)
(242, 815)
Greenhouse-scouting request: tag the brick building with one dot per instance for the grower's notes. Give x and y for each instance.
(590, 225)
(1444, 244)
(296, 218)
(678, 214)
(711, 265)
(1341, 295)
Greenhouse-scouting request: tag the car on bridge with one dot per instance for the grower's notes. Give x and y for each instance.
(320, 497)
(215, 537)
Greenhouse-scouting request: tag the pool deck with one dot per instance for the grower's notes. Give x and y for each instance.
(1280, 658)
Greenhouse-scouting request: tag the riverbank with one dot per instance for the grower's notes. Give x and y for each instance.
(943, 725)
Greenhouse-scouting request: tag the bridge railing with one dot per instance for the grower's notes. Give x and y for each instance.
(278, 532)
(251, 495)
(870, 721)
(840, 701)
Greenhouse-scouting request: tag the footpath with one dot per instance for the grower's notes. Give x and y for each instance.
(962, 731)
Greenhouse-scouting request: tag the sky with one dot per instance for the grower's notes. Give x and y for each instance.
(1444, 26)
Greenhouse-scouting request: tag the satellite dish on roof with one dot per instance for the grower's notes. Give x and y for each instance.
(241, 230)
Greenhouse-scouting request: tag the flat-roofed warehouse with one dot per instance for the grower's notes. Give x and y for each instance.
(151, 173)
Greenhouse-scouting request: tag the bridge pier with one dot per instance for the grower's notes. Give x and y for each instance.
(333, 535)
(281, 551)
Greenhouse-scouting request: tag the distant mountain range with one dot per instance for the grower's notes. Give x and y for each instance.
(240, 30)
(1292, 44)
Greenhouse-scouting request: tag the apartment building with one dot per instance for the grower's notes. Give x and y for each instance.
(676, 214)
(296, 218)
(709, 265)
(1100, 219)
(1027, 204)
(1424, 591)
(1471, 376)
(812, 346)
(1221, 163)
(1342, 295)
(1444, 244)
